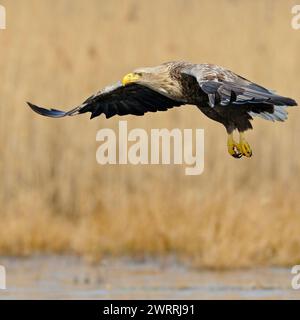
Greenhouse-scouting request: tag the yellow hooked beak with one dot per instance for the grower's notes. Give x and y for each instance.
(130, 77)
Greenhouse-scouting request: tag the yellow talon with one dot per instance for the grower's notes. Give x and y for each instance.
(244, 146)
(233, 147)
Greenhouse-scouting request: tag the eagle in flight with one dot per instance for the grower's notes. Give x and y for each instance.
(219, 93)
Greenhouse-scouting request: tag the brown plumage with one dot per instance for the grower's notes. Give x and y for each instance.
(219, 93)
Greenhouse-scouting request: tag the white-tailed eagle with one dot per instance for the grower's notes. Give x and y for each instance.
(219, 93)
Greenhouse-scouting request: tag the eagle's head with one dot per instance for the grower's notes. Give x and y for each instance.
(156, 78)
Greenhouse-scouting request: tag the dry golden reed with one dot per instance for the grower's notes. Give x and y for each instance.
(54, 197)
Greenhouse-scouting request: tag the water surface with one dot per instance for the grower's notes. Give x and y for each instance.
(64, 277)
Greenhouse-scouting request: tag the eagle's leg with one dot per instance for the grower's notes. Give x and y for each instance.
(244, 146)
(233, 147)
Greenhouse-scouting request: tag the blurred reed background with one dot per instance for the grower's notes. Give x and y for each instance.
(54, 197)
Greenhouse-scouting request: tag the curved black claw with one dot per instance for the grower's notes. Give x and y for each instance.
(234, 150)
(237, 155)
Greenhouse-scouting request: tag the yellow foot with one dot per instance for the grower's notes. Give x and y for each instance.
(233, 147)
(244, 147)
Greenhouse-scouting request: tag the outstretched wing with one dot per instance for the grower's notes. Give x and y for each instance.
(117, 100)
(225, 88)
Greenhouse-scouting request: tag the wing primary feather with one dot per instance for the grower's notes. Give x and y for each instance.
(52, 113)
(133, 99)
